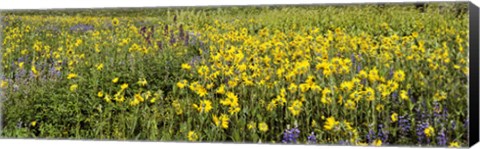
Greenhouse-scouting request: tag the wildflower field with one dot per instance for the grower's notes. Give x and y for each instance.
(348, 74)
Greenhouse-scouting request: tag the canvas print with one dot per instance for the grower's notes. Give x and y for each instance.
(358, 75)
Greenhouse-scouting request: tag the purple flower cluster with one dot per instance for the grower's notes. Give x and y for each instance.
(383, 135)
(404, 124)
(420, 132)
(82, 28)
(312, 138)
(291, 135)
(441, 138)
(370, 136)
(343, 142)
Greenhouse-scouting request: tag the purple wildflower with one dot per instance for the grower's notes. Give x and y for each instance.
(172, 38)
(82, 28)
(441, 138)
(404, 124)
(382, 134)
(370, 136)
(343, 142)
(312, 139)
(291, 135)
(420, 132)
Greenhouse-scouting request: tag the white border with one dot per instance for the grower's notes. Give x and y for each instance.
(59, 4)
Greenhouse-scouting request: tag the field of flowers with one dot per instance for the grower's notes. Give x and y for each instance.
(350, 75)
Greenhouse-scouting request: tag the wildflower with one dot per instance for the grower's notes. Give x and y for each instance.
(182, 84)
(177, 107)
(404, 95)
(221, 89)
(399, 76)
(290, 135)
(73, 87)
(134, 102)
(312, 139)
(377, 142)
(99, 66)
(138, 97)
(454, 144)
(124, 86)
(379, 107)
(429, 131)
(330, 123)
(224, 119)
(263, 127)
(142, 82)
(192, 136)
(296, 107)
(350, 104)
(33, 123)
(205, 106)
(100, 94)
(186, 66)
(4, 84)
(370, 94)
(216, 121)
(115, 80)
(71, 76)
(251, 125)
(107, 98)
(394, 117)
(115, 21)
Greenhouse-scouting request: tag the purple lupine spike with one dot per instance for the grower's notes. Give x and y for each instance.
(291, 135)
(312, 139)
(441, 138)
(390, 74)
(343, 142)
(420, 132)
(394, 96)
(187, 38)
(359, 68)
(160, 45)
(404, 124)
(165, 30)
(181, 32)
(370, 136)
(382, 134)
(172, 38)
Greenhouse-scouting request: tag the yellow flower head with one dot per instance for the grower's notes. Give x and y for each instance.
(296, 107)
(192, 136)
(4, 84)
(454, 144)
(330, 123)
(377, 142)
(142, 82)
(429, 131)
(115, 80)
(71, 76)
(224, 118)
(115, 22)
(100, 94)
(394, 117)
(186, 66)
(124, 86)
(73, 87)
(263, 127)
(204, 107)
(251, 125)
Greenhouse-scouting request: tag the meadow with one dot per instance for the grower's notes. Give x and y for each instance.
(349, 74)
